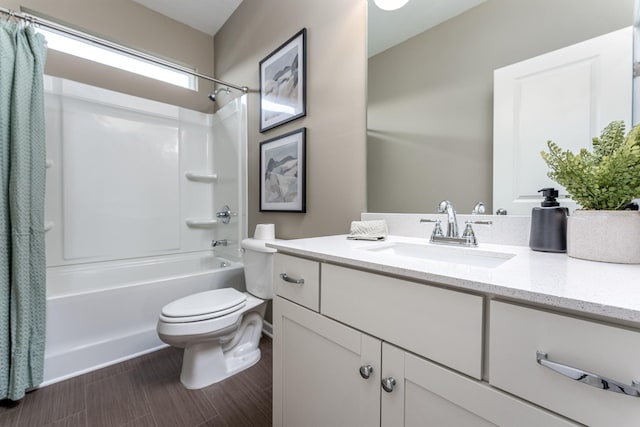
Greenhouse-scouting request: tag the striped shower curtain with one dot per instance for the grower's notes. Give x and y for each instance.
(22, 182)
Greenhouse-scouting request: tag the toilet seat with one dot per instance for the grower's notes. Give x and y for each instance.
(203, 306)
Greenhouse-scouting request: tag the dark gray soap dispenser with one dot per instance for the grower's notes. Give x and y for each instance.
(549, 224)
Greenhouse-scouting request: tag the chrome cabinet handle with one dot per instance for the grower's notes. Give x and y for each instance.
(588, 378)
(366, 371)
(288, 279)
(388, 384)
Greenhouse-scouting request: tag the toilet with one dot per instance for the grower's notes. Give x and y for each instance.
(220, 329)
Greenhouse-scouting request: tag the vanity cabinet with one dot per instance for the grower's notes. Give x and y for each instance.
(384, 352)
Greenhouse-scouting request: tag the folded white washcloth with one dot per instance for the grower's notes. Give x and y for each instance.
(368, 230)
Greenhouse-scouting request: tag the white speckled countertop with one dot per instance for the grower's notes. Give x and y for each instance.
(556, 280)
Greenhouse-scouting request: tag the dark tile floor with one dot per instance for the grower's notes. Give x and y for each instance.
(146, 392)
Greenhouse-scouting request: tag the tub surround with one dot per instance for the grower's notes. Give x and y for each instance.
(120, 210)
(594, 288)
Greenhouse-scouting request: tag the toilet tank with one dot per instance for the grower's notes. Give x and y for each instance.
(258, 267)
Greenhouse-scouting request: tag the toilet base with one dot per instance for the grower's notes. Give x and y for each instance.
(208, 362)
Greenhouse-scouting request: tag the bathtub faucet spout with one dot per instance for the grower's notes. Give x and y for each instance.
(215, 243)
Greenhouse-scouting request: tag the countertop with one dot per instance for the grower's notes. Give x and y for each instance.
(556, 280)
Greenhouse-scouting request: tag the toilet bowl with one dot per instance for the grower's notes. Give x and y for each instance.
(220, 329)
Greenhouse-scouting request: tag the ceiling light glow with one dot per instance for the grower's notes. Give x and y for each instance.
(390, 4)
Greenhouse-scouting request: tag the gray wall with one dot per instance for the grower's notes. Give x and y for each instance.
(430, 99)
(336, 106)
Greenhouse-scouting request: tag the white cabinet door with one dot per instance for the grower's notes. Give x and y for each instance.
(567, 96)
(317, 380)
(427, 394)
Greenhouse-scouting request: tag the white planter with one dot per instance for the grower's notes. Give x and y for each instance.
(607, 236)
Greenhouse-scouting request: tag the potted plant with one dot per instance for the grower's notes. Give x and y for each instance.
(603, 181)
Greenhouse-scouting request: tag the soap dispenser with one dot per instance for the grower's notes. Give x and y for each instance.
(549, 224)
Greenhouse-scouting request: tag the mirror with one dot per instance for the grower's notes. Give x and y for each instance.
(430, 98)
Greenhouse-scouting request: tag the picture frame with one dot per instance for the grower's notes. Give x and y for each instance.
(283, 173)
(283, 83)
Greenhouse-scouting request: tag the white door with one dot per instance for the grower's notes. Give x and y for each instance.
(317, 380)
(567, 96)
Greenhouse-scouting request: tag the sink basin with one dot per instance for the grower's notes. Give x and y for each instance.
(468, 256)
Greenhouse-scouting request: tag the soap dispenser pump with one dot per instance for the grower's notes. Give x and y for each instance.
(549, 224)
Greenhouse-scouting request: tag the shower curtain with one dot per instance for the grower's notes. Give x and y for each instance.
(22, 182)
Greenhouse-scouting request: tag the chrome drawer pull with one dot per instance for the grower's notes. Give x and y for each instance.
(286, 278)
(593, 380)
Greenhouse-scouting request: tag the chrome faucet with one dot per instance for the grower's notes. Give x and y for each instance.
(215, 243)
(452, 222)
(468, 237)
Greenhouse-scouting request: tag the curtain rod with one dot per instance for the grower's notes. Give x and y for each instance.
(105, 43)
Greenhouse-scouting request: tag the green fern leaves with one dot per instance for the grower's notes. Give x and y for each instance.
(606, 178)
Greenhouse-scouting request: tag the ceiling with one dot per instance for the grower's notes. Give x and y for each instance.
(207, 16)
(386, 28)
(389, 28)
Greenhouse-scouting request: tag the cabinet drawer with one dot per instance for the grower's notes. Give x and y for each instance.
(296, 269)
(439, 324)
(518, 333)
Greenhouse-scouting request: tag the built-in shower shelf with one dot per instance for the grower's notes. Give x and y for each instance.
(201, 176)
(201, 222)
(48, 225)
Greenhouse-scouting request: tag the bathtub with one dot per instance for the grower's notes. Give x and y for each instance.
(102, 313)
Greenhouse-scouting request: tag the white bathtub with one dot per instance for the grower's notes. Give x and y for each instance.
(102, 313)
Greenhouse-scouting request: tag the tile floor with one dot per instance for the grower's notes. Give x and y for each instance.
(146, 392)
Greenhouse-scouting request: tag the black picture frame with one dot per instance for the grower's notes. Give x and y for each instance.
(283, 83)
(283, 173)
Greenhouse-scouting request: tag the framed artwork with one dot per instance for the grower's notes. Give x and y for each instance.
(283, 83)
(283, 173)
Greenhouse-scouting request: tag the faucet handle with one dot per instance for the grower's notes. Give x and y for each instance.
(478, 209)
(469, 235)
(481, 222)
(437, 229)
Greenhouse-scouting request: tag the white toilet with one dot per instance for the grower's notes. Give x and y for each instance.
(220, 329)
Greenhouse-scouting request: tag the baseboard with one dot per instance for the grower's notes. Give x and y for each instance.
(267, 329)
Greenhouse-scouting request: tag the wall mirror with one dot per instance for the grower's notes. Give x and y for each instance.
(430, 97)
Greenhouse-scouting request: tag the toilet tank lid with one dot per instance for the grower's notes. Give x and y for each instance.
(258, 245)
